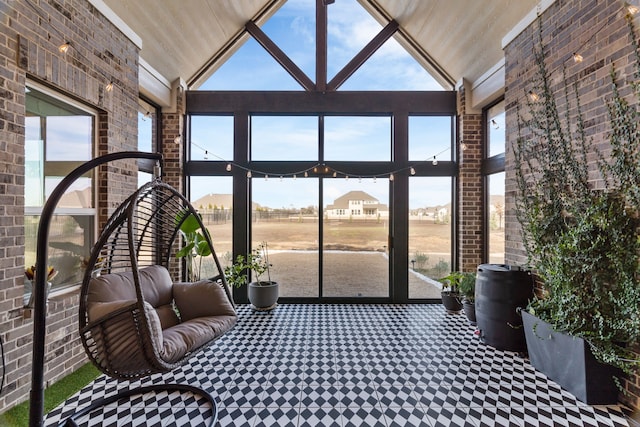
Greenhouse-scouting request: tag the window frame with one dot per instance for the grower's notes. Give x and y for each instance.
(65, 167)
(491, 165)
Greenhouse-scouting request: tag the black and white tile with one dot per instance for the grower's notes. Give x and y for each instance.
(349, 365)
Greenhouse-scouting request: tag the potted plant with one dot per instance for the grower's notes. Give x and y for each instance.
(263, 294)
(451, 296)
(467, 287)
(582, 242)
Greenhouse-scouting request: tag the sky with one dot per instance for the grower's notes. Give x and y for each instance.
(350, 28)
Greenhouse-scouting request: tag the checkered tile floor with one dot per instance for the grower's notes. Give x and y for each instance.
(351, 365)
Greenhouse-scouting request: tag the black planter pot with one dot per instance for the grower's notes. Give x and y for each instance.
(452, 302)
(469, 308)
(568, 361)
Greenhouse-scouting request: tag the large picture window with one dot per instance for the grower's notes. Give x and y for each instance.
(59, 136)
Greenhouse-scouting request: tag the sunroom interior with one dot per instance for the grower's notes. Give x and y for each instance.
(368, 144)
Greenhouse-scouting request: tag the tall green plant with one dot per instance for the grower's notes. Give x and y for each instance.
(196, 246)
(583, 242)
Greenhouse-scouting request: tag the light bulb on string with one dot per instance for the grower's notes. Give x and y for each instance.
(434, 161)
(306, 174)
(228, 167)
(266, 177)
(109, 87)
(335, 174)
(206, 155)
(391, 177)
(533, 96)
(248, 174)
(346, 177)
(374, 179)
(577, 57)
(412, 171)
(64, 47)
(295, 176)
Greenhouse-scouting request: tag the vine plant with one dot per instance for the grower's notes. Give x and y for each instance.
(580, 212)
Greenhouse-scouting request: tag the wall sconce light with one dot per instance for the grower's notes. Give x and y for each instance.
(64, 47)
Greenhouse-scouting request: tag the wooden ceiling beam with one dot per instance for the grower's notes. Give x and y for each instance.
(321, 45)
(279, 56)
(362, 56)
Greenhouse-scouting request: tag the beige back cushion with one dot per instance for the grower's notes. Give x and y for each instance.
(156, 286)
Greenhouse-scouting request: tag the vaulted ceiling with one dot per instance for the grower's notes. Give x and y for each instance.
(452, 39)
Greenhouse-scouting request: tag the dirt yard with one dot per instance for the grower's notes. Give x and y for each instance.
(355, 258)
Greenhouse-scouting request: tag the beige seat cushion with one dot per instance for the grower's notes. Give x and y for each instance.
(204, 307)
(190, 335)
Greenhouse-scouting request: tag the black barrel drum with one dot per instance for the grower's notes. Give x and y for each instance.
(500, 291)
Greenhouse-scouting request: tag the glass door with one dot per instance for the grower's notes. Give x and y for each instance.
(355, 261)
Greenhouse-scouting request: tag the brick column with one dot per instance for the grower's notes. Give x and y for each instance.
(172, 138)
(470, 185)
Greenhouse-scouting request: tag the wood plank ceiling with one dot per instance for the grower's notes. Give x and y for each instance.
(190, 39)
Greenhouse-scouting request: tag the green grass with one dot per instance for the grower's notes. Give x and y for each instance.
(18, 416)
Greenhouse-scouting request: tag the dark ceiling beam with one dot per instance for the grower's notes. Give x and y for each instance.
(201, 102)
(321, 45)
(279, 56)
(362, 56)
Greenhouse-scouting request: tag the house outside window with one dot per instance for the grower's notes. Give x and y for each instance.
(59, 136)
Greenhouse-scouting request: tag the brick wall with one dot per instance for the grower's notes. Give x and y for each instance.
(470, 194)
(597, 30)
(30, 33)
(173, 151)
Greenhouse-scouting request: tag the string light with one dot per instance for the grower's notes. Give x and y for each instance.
(463, 146)
(533, 96)
(495, 124)
(64, 47)
(109, 87)
(320, 169)
(632, 9)
(577, 58)
(178, 139)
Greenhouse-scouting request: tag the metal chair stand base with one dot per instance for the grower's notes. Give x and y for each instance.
(125, 394)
